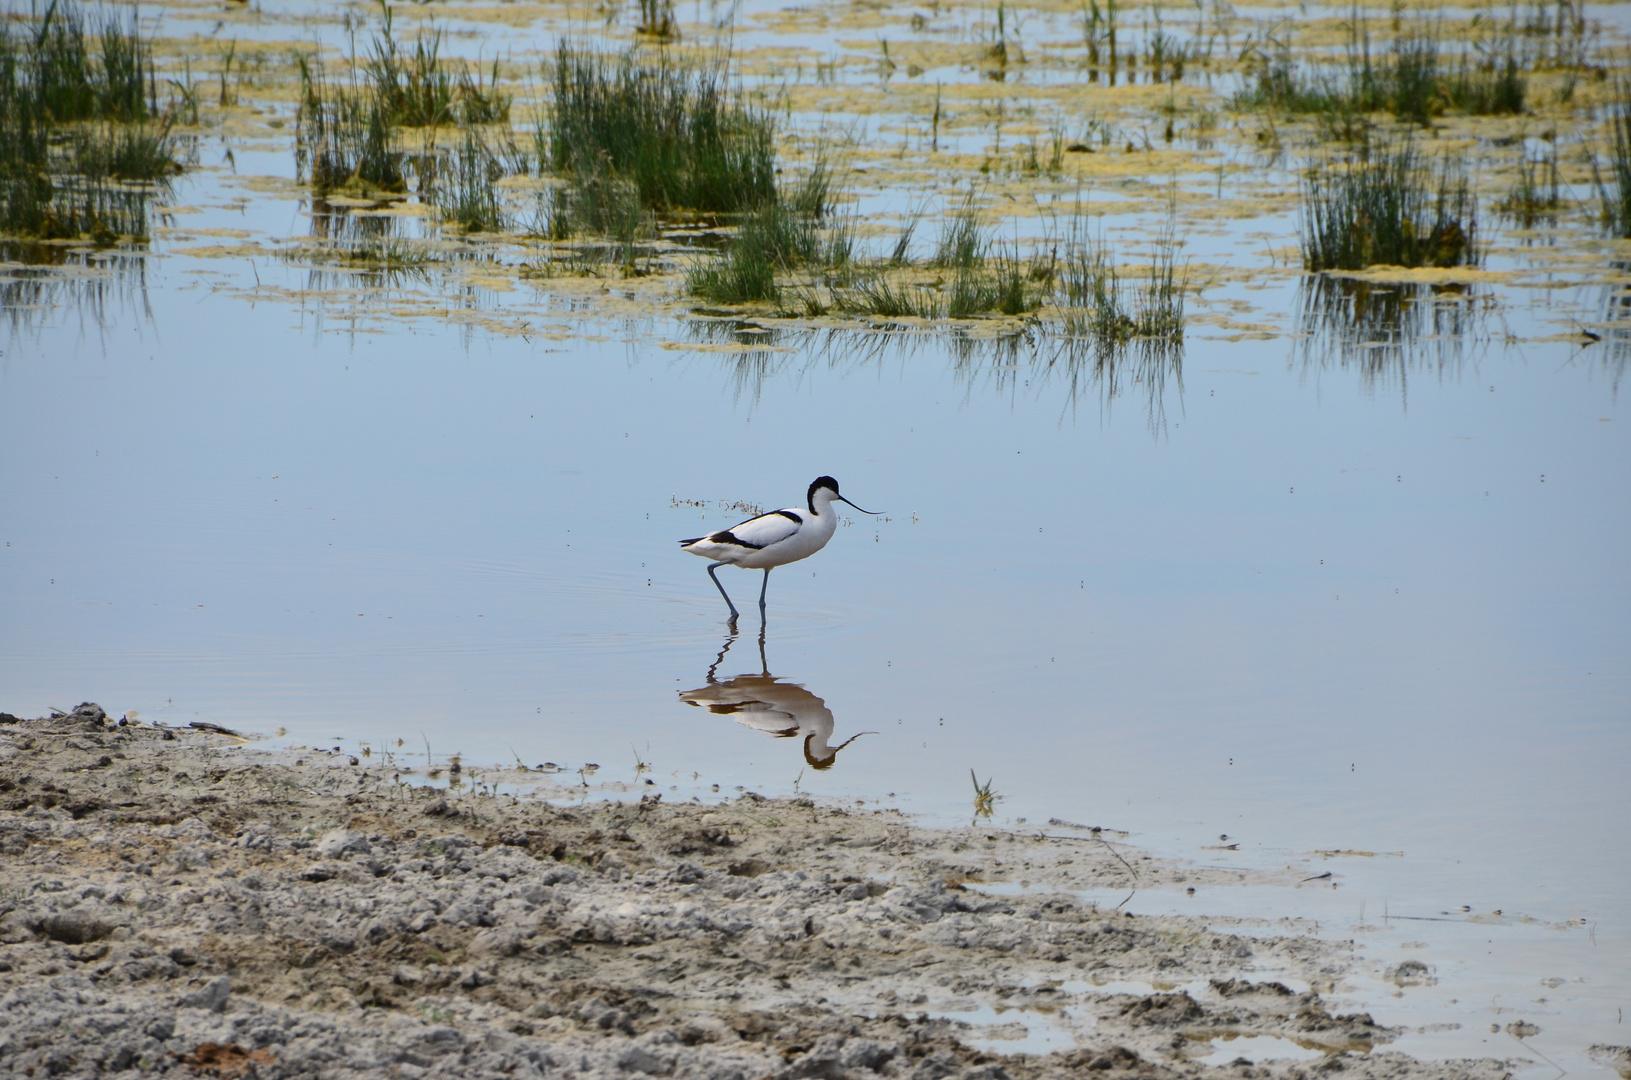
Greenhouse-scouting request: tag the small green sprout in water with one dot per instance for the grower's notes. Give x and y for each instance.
(985, 800)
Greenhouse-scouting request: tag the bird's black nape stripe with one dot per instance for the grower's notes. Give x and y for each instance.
(725, 536)
(791, 516)
(815, 485)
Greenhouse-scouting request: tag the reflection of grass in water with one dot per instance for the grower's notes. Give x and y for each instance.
(1616, 313)
(1388, 208)
(58, 280)
(363, 242)
(1035, 357)
(1384, 331)
(382, 260)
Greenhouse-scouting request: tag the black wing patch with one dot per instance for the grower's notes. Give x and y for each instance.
(725, 536)
(790, 516)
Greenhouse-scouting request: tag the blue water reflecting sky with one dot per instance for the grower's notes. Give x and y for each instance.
(1304, 610)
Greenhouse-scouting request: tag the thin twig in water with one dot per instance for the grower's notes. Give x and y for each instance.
(1119, 859)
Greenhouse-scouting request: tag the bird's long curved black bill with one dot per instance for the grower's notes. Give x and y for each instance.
(846, 502)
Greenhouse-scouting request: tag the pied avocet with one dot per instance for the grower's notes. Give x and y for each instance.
(773, 539)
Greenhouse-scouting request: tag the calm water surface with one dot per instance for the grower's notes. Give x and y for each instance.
(1267, 596)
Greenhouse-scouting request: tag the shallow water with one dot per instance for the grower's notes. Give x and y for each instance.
(1308, 601)
(1308, 610)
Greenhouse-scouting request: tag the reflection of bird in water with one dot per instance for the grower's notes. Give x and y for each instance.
(773, 539)
(765, 703)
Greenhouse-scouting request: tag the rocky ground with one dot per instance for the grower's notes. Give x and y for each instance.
(179, 901)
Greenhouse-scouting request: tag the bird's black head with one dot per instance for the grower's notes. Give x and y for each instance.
(819, 483)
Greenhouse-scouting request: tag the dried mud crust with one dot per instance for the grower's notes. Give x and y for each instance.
(176, 901)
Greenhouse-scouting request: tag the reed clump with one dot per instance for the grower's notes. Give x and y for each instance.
(343, 137)
(657, 20)
(1389, 208)
(466, 189)
(877, 296)
(1615, 194)
(416, 88)
(1413, 81)
(1538, 193)
(1097, 304)
(82, 144)
(776, 236)
(674, 130)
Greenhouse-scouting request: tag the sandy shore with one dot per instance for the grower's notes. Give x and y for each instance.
(181, 901)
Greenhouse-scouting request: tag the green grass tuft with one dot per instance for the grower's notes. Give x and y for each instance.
(465, 192)
(1616, 195)
(344, 138)
(79, 152)
(1392, 209)
(1098, 305)
(675, 131)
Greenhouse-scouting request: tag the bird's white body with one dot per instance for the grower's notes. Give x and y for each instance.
(774, 539)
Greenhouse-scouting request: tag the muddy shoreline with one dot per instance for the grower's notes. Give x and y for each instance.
(181, 901)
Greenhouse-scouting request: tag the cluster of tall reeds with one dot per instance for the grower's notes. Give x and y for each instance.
(676, 132)
(1071, 285)
(1616, 195)
(344, 137)
(781, 234)
(1414, 81)
(82, 145)
(1390, 206)
(418, 89)
(347, 131)
(1097, 304)
(1538, 193)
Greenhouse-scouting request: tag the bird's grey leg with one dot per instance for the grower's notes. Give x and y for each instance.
(711, 568)
(762, 589)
